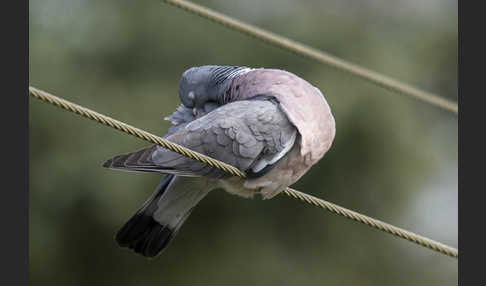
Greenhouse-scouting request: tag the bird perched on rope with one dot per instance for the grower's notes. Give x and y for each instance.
(268, 123)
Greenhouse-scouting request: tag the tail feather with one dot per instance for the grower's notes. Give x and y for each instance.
(153, 226)
(146, 237)
(142, 233)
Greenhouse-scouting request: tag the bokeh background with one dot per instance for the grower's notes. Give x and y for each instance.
(393, 158)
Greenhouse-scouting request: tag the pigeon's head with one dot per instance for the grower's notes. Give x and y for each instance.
(203, 84)
(194, 86)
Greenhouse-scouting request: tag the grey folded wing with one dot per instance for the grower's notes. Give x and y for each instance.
(183, 115)
(252, 135)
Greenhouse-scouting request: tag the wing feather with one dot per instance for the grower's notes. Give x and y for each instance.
(252, 135)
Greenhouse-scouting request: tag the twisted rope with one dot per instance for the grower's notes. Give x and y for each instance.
(402, 233)
(315, 54)
(108, 121)
(113, 123)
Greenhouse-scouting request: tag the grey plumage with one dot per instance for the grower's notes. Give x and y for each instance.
(183, 115)
(270, 124)
(161, 216)
(199, 85)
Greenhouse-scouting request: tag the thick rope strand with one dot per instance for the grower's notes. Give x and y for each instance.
(108, 121)
(315, 54)
(383, 226)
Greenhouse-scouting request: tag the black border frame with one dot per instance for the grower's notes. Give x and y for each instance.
(15, 207)
(15, 200)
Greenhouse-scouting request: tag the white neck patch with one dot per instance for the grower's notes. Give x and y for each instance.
(239, 72)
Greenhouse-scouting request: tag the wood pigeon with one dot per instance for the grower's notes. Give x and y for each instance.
(269, 123)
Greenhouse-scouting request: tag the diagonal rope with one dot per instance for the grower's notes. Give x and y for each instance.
(317, 55)
(108, 121)
(405, 234)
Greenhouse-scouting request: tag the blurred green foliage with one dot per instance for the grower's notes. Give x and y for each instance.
(393, 158)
